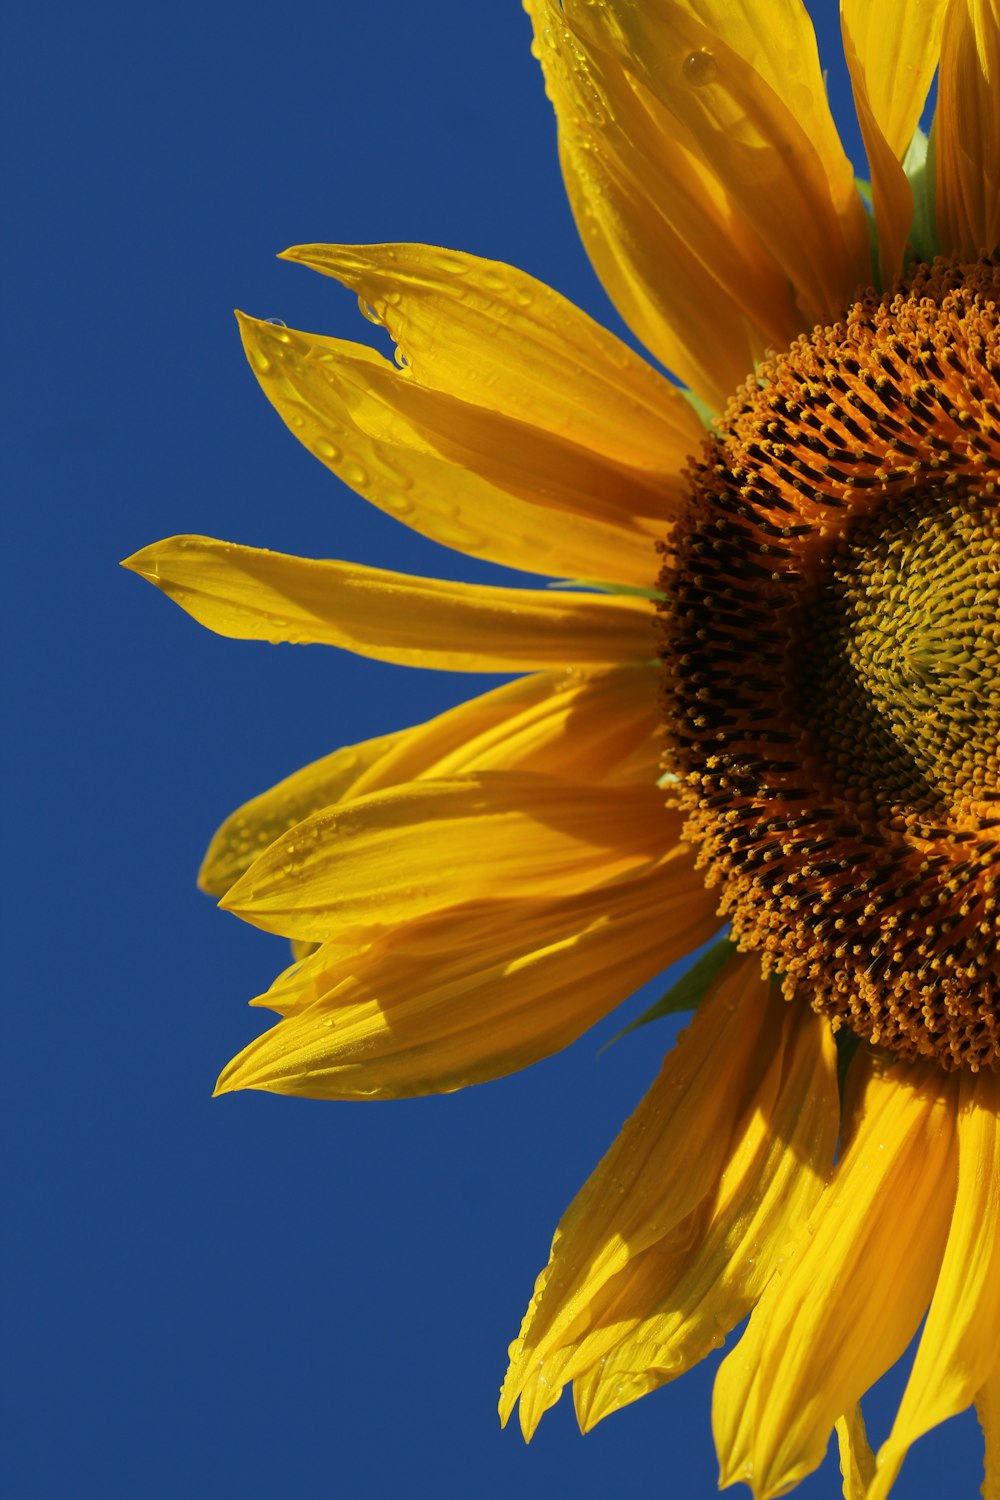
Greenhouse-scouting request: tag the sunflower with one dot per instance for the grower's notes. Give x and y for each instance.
(764, 718)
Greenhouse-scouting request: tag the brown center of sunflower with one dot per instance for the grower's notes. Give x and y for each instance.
(831, 655)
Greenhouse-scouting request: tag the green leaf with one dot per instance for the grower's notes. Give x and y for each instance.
(919, 166)
(687, 992)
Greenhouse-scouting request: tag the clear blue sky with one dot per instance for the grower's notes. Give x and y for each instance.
(255, 1297)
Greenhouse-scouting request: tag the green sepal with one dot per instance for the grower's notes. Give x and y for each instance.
(707, 416)
(919, 166)
(864, 188)
(687, 992)
(599, 586)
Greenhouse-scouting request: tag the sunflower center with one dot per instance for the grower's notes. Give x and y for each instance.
(901, 658)
(832, 665)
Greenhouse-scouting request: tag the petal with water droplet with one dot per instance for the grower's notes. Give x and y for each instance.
(491, 335)
(393, 855)
(476, 990)
(597, 726)
(468, 476)
(254, 595)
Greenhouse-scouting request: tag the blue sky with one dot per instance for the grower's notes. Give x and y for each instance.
(256, 1297)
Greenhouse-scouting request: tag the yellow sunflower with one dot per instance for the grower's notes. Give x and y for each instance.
(772, 700)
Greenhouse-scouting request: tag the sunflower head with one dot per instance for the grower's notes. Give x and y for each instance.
(831, 649)
(468, 895)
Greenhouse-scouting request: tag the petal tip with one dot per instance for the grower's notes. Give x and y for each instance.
(145, 561)
(225, 1083)
(226, 901)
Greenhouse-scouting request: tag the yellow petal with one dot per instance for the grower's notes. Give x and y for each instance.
(249, 830)
(599, 725)
(468, 476)
(487, 333)
(988, 1411)
(294, 988)
(892, 50)
(670, 1307)
(967, 127)
(644, 201)
(958, 1347)
(703, 142)
(663, 1165)
(251, 594)
(589, 726)
(397, 854)
(857, 1461)
(853, 1288)
(756, 106)
(477, 991)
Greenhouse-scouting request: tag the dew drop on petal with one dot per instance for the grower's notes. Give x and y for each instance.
(353, 474)
(369, 312)
(699, 68)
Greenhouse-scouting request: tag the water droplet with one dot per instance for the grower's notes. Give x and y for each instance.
(276, 322)
(699, 68)
(326, 449)
(454, 534)
(352, 473)
(369, 312)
